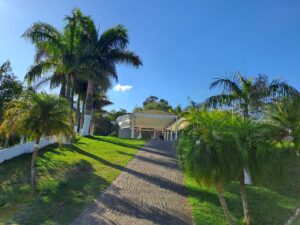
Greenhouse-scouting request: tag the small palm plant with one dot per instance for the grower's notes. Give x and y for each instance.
(255, 143)
(208, 154)
(248, 97)
(35, 116)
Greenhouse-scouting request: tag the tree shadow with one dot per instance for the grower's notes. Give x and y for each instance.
(171, 163)
(110, 200)
(74, 191)
(159, 181)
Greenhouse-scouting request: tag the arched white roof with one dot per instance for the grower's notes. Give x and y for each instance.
(148, 119)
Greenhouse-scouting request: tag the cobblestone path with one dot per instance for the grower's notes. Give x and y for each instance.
(148, 191)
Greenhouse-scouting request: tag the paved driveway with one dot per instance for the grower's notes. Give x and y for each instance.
(148, 191)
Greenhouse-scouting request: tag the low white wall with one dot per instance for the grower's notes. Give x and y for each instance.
(14, 151)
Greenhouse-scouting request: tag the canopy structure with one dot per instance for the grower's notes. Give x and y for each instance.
(158, 122)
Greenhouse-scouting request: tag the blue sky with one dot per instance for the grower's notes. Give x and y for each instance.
(183, 44)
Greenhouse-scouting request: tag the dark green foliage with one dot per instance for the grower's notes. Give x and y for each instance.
(286, 117)
(154, 103)
(272, 200)
(103, 126)
(10, 87)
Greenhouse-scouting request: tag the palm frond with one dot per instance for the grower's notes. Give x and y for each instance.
(114, 38)
(227, 85)
(218, 101)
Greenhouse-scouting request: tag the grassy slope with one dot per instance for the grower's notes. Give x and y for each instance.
(272, 201)
(70, 178)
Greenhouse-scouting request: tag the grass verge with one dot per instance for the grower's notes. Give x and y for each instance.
(70, 177)
(271, 201)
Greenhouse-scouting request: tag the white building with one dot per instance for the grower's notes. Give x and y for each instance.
(152, 124)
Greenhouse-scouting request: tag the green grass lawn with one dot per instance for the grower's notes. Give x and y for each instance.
(272, 200)
(70, 177)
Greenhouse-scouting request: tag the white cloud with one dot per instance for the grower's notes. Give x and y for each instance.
(122, 88)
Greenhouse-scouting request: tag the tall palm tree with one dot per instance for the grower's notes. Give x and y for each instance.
(248, 97)
(37, 115)
(57, 54)
(208, 154)
(102, 54)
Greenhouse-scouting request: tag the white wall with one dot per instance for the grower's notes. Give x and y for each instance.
(14, 151)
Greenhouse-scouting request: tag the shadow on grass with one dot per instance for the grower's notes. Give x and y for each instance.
(76, 189)
(266, 206)
(159, 181)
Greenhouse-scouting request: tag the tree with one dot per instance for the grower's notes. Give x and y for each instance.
(10, 87)
(154, 103)
(37, 115)
(57, 54)
(102, 54)
(100, 101)
(206, 149)
(255, 143)
(247, 96)
(285, 116)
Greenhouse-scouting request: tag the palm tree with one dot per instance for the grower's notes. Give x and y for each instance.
(248, 97)
(37, 115)
(57, 54)
(254, 141)
(206, 149)
(102, 54)
(285, 116)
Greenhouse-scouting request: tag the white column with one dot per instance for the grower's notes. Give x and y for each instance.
(171, 134)
(154, 135)
(86, 125)
(132, 126)
(167, 135)
(22, 139)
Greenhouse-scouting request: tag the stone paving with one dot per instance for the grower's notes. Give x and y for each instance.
(148, 191)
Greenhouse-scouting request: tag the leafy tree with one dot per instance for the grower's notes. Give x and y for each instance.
(113, 114)
(205, 148)
(10, 87)
(103, 125)
(37, 115)
(154, 103)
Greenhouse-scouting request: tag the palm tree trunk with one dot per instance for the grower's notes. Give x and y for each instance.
(244, 199)
(224, 206)
(83, 112)
(72, 93)
(62, 92)
(92, 127)
(78, 114)
(33, 162)
(88, 108)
